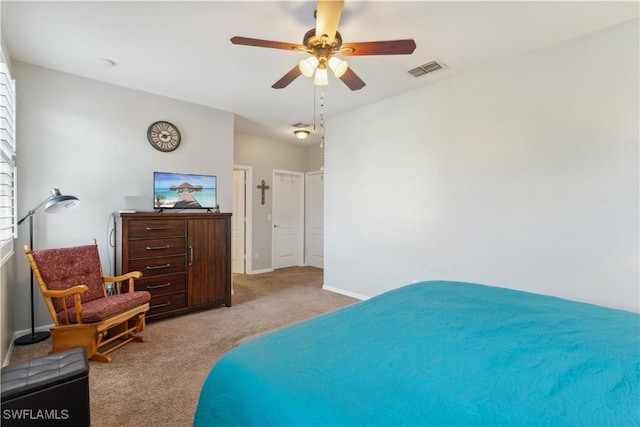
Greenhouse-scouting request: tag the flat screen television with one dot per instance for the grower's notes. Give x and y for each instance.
(184, 191)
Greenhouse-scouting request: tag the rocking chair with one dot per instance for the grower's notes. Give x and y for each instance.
(84, 315)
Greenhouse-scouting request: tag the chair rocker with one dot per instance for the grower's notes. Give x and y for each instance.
(84, 315)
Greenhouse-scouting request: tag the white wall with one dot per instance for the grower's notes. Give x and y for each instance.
(522, 175)
(89, 139)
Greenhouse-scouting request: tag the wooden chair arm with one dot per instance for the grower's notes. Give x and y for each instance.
(126, 276)
(130, 276)
(77, 302)
(78, 289)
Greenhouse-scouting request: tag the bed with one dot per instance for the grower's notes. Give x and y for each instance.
(433, 354)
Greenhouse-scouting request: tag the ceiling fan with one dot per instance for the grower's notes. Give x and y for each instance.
(323, 42)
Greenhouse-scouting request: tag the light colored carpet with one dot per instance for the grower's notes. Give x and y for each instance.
(157, 383)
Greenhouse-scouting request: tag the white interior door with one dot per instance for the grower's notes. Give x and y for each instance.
(238, 221)
(288, 218)
(314, 219)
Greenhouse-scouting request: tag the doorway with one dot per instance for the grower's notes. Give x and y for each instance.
(288, 219)
(241, 220)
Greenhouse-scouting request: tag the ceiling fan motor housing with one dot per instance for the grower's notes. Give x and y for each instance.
(313, 43)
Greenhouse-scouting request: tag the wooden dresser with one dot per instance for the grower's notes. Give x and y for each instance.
(185, 259)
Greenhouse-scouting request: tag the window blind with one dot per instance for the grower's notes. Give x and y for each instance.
(8, 209)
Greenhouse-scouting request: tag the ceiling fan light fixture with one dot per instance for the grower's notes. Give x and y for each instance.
(308, 66)
(338, 66)
(301, 134)
(321, 79)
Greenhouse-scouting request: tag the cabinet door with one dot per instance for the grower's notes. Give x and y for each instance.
(208, 267)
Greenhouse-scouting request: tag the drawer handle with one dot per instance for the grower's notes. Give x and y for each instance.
(161, 305)
(166, 285)
(155, 267)
(157, 248)
(158, 228)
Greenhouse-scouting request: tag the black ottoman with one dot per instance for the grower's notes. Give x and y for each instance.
(48, 391)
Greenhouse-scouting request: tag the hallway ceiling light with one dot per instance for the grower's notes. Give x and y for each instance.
(301, 134)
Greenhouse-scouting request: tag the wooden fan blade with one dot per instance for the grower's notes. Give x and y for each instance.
(246, 41)
(287, 78)
(389, 47)
(352, 80)
(328, 17)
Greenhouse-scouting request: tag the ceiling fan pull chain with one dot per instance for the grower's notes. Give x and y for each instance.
(322, 127)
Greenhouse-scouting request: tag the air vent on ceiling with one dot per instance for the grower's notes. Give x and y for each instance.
(423, 69)
(300, 125)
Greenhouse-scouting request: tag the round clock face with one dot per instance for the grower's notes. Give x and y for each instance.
(163, 136)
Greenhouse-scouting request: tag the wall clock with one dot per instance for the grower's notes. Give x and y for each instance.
(163, 136)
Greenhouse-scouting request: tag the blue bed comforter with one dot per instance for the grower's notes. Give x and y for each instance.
(436, 353)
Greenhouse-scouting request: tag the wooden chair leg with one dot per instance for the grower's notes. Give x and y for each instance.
(119, 336)
(67, 337)
(140, 323)
(101, 357)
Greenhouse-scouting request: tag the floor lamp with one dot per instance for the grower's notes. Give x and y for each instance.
(55, 203)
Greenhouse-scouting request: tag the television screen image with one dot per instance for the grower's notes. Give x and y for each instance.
(184, 191)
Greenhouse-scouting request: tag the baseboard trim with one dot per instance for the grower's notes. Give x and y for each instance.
(347, 293)
(266, 270)
(18, 334)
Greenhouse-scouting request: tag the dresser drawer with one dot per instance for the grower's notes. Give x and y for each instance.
(163, 284)
(148, 248)
(158, 266)
(141, 229)
(169, 302)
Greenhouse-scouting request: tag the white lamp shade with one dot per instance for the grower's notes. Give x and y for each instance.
(338, 66)
(321, 79)
(308, 66)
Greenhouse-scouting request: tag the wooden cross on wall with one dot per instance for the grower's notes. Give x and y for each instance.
(263, 187)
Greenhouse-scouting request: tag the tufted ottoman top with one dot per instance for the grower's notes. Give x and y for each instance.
(43, 372)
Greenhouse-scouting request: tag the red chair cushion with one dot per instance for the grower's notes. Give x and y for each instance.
(63, 268)
(100, 309)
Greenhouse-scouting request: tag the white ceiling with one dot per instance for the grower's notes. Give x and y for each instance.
(182, 50)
